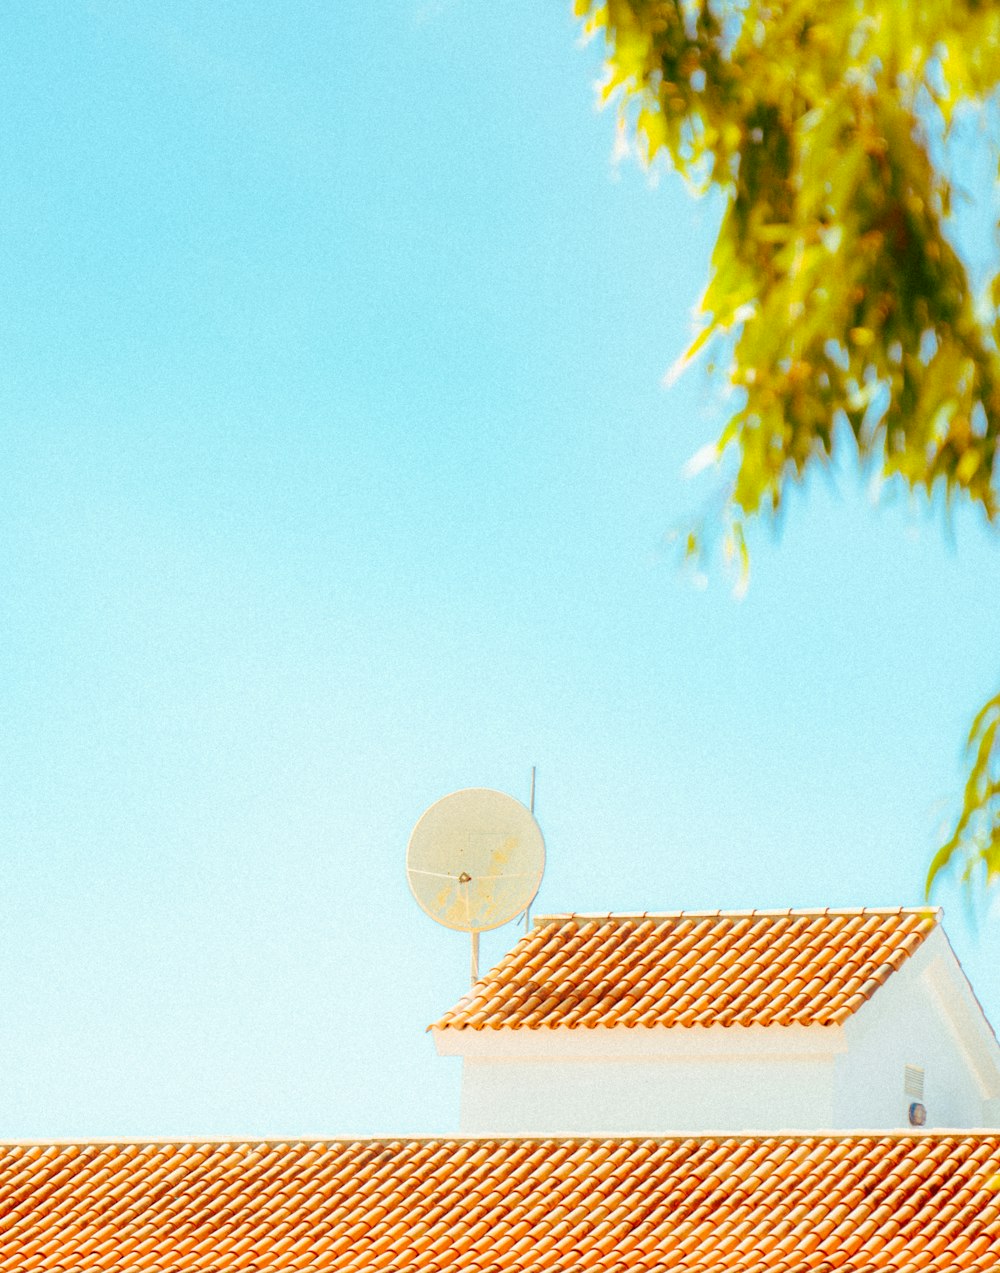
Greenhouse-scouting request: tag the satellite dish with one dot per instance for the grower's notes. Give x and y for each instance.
(475, 860)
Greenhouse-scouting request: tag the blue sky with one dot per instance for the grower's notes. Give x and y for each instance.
(337, 473)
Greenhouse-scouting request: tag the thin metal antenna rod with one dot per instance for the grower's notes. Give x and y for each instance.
(531, 810)
(475, 956)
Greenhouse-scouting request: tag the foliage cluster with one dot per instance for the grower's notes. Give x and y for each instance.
(834, 287)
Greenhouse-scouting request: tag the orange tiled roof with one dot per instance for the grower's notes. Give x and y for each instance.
(757, 1204)
(694, 968)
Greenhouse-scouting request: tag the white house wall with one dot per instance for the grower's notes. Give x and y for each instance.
(647, 1081)
(579, 1097)
(925, 1016)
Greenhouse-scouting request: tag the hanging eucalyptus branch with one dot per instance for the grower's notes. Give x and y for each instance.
(844, 312)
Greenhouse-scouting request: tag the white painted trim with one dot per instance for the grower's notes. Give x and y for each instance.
(621, 1043)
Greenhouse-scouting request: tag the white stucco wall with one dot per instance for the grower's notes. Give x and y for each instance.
(635, 1081)
(587, 1098)
(774, 1078)
(925, 1015)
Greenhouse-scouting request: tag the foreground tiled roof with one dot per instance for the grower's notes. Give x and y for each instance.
(760, 1204)
(694, 968)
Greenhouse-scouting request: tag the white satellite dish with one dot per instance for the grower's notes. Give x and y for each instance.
(475, 861)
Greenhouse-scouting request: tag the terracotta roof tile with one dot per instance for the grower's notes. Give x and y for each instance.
(693, 969)
(741, 1204)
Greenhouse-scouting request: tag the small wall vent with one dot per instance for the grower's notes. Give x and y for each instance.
(913, 1081)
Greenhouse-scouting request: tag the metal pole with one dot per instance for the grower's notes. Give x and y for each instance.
(475, 956)
(531, 810)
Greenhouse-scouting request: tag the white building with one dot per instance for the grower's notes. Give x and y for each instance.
(725, 1021)
(637, 1027)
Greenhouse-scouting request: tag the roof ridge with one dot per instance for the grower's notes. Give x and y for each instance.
(455, 1138)
(756, 913)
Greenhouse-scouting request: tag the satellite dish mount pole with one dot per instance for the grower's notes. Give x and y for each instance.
(531, 810)
(475, 955)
